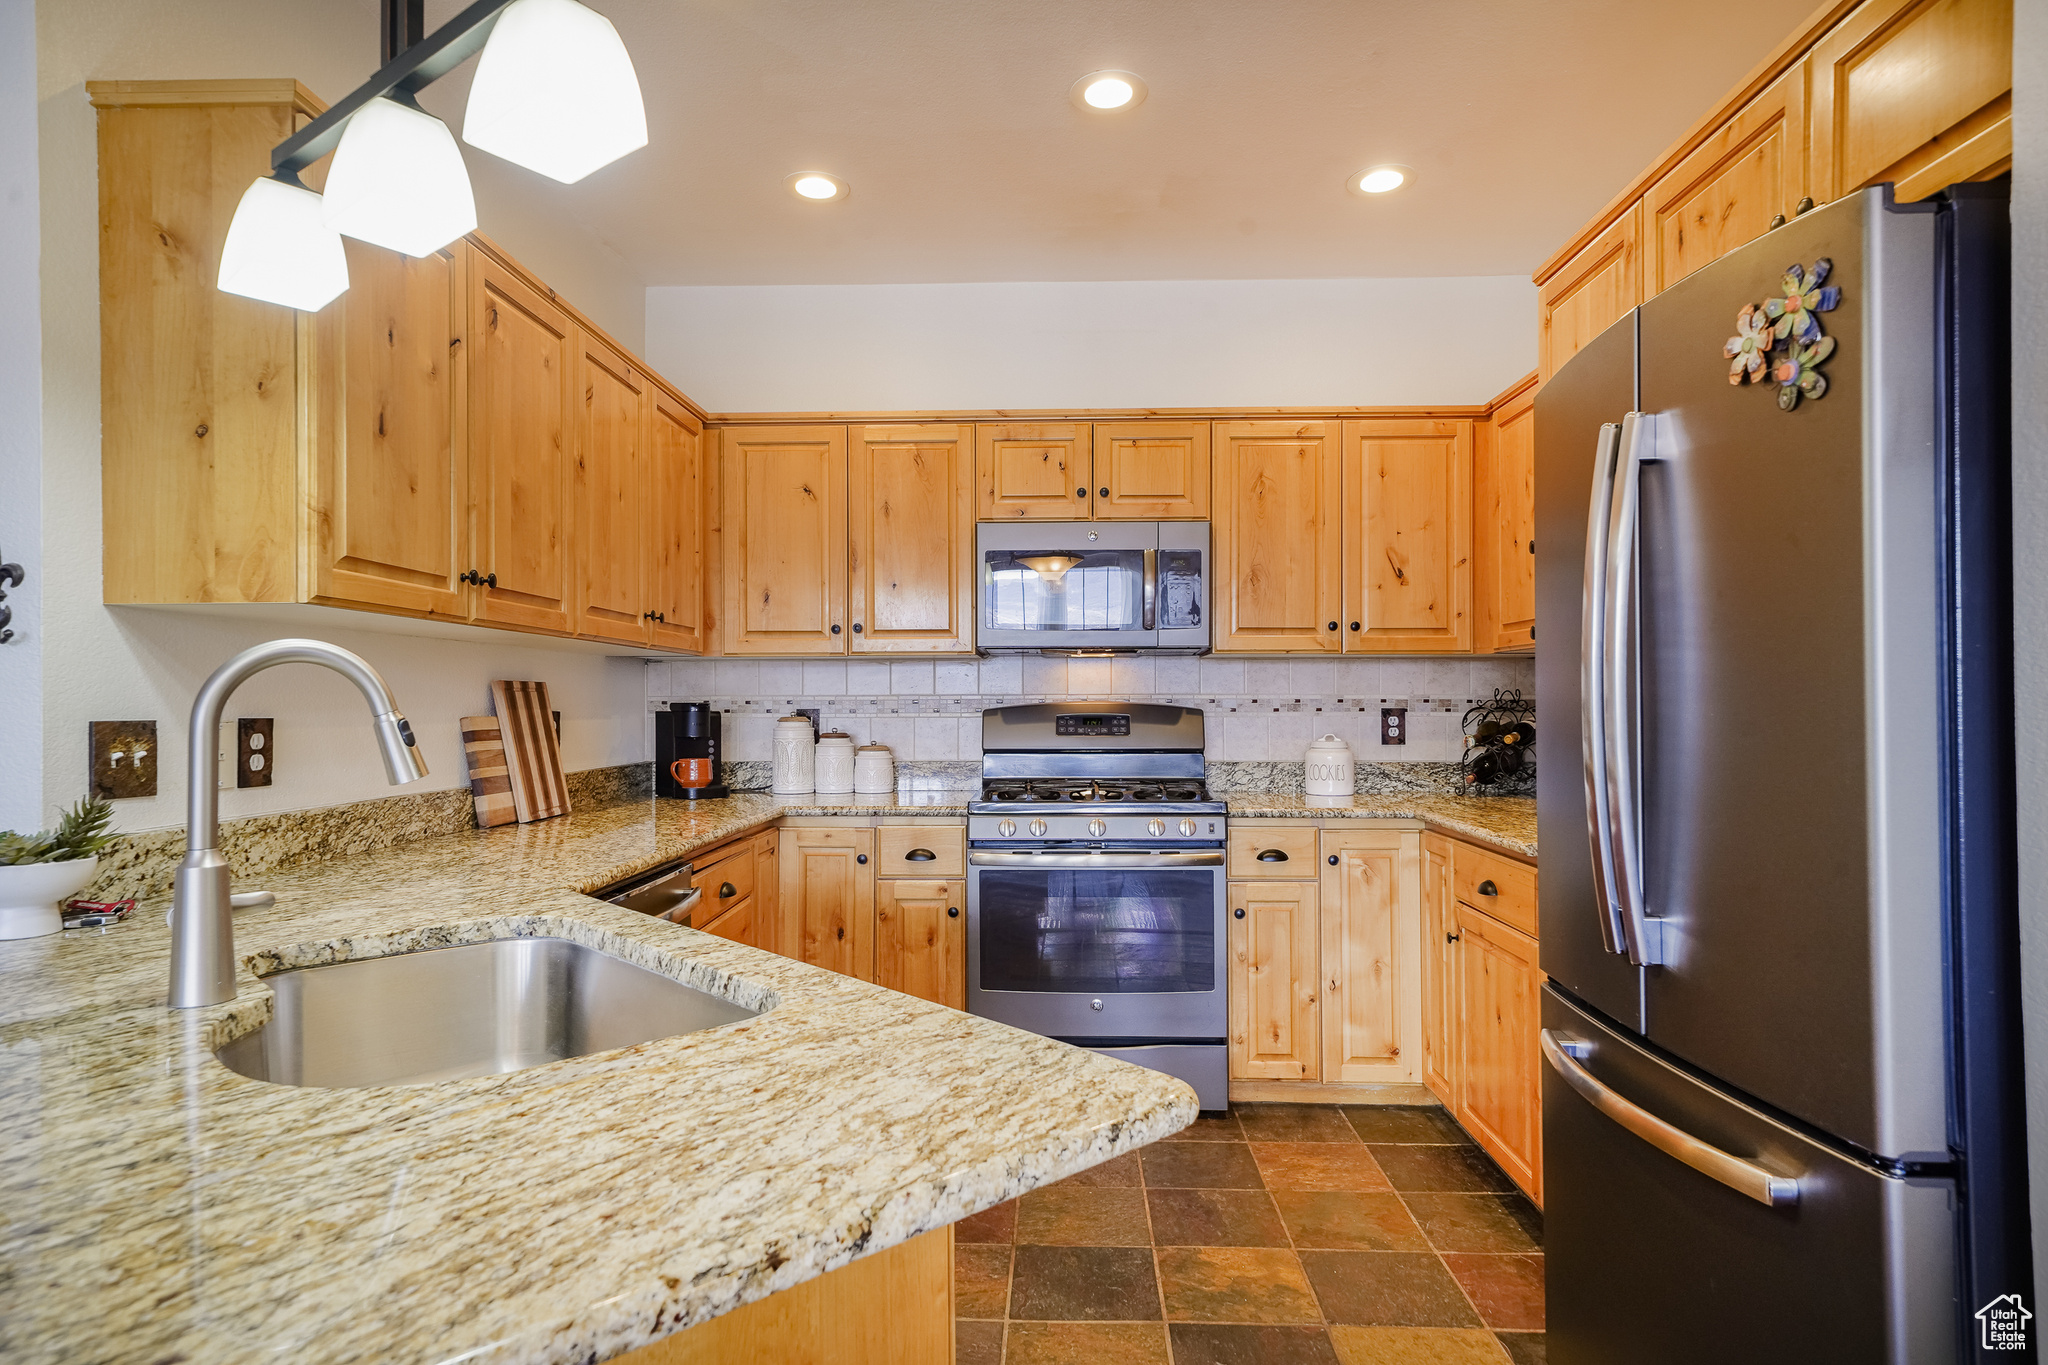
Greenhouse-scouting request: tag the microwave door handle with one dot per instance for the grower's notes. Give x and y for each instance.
(1151, 616)
(1593, 681)
(1641, 935)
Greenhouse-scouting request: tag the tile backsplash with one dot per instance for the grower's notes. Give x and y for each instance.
(1259, 709)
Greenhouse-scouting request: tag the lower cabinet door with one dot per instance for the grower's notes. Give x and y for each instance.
(1499, 1092)
(1273, 1017)
(1369, 930)
(828, 897)
(767, 893)
(921, 939)
(1439, 972)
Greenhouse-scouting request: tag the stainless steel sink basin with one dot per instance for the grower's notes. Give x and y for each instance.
(479, 1009)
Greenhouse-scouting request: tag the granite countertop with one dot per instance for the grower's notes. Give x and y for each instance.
(160, 1207)
(1506, 823)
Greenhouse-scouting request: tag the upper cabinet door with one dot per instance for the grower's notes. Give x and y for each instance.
(1276, 537)
(1726, 193)
(1504, 526)
(1408, 536)
(785, 539)
(1917, 92)
(613, 481)
(1593, 289)
(1151, 471)
(911, 539)
(522, 407)
(389, 523)
(675, 551)
(1033, 472)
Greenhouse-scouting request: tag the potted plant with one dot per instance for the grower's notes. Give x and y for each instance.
(37, 871)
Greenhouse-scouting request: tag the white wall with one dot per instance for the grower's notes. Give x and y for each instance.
(21, 421)
(127, 664)
(2030, 572)
(1170, 343)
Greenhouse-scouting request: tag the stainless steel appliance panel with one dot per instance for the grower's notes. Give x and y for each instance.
(1651, 1259)
(1595, 389)
(1790, 838)
(1207, 1069)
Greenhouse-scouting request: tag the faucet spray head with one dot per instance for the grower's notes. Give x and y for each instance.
(403, 761)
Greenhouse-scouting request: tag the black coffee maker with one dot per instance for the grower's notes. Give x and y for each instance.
(689, 758)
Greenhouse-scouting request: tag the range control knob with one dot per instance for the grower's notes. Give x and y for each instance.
(1098, 828)
(1007, 828)
(1155, 828)
(1187, 828)
(1037, 829)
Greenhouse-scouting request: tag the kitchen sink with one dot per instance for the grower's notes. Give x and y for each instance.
(479, 1009)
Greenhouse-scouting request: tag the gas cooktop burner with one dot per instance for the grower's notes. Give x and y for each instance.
(1053, 792)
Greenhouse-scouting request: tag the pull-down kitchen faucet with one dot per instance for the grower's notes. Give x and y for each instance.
(202, 912)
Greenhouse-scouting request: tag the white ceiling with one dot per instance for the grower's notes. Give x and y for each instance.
(950, 119)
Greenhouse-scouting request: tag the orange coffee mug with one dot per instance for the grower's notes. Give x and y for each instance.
(691, 772)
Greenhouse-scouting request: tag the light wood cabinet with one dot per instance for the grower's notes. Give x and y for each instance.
(1276, 537)
(1727, 191)
(1593, 289)
(1407, 537)
(1917, 92)
(1032, 471)
(828, 897)
(1440, 1030)
(1504, 524)
(921, 939)
(1150, 471)
(1273, 980)
(1499, 1090)
(785, 529)
(1371, 1015)
(613, 479)
(768, 891)
(675, 550)
(911, 539)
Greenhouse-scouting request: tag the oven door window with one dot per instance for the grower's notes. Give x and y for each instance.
(1063, 590)
(1068, 931)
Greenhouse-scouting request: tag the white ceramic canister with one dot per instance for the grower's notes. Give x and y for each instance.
(834, 770)
(30, 892)
(874, 770)
(1329, 768)
(795, 757)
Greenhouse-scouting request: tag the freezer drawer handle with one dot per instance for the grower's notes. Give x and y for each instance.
(1744, 1177)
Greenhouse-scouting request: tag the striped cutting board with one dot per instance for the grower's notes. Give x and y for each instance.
(490, 781)
(533, 752)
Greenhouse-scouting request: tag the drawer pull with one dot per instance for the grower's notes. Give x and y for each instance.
(1488, 889)
(1451, 938)
(1273, 855)
(726, 891)
(920, 855)
(952, 912)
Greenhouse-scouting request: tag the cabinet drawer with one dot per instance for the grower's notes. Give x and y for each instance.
(900, 851)
(736, 924)
(1498, 886)
(1259, 849)
(734, 871)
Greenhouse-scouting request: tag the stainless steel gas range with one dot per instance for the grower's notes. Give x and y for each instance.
(1095, 895)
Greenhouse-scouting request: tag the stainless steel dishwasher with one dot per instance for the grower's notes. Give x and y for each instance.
(663, 892)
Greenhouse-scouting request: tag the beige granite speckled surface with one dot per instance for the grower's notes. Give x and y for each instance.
(156, 1207)
(1507, 823)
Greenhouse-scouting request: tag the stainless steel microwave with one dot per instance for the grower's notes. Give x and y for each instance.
(1089, 586)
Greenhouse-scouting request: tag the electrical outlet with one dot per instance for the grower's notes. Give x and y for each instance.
(1393, 725)
(248, 751)
(123, 758)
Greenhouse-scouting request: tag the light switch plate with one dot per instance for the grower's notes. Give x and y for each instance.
(123, 759)
(247, 751)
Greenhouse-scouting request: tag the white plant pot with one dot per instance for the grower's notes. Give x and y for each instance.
(30, 894)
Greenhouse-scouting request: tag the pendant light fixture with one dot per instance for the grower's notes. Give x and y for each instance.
(555, 91)
(560, 97)
(279, 250)
(398, 180)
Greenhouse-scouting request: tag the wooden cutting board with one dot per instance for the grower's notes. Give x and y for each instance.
(533, 753)
(490, 781)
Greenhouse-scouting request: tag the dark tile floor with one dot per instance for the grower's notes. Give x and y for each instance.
(1276, 1234)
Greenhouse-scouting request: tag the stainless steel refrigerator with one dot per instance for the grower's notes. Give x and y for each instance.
(1781, 1086)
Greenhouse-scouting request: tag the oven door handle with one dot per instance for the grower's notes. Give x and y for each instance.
(1109, 862)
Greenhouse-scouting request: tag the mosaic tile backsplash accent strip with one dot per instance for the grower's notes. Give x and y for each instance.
(1259, 710)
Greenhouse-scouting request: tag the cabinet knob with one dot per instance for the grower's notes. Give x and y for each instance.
(1354, 625)
(1333, 625)
(1333, 860)
(919, 855)
(726, 891)
(861, 858)
(1238, 913)
(856, 627)
(952, 912)
(1777, 221)
(1080, 492)
(1451, 938)
(1273, 855)
(1102, 493)
(835, 630)
(1805, 205)
(1488, 889)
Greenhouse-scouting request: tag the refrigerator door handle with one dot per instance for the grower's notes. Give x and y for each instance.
(1592, 681)
(1744, 1177)
(1642, 936)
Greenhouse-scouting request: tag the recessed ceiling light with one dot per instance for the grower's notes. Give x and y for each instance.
(1379, 179)
(1102, 91)
(816, 185)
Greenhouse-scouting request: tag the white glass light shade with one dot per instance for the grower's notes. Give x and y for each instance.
(280, 251)
(398, 181)
(555, 91)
